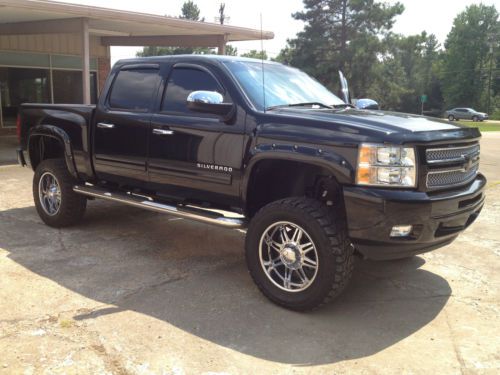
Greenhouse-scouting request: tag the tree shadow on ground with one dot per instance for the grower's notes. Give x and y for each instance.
(193, 277)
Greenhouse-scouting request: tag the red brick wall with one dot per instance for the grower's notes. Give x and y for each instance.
(103, 68)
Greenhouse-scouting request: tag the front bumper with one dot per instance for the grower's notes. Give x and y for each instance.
(437, 218)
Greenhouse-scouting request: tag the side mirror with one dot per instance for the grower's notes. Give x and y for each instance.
(209, 102)
(344, 88)
(367, 104)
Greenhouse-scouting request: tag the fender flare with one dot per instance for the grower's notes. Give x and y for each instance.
(57, 133)
(338, 166)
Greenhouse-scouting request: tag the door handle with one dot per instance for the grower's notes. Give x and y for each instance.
(103, 125)
(163, 132)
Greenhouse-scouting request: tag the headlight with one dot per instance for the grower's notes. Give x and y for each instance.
(383, 165)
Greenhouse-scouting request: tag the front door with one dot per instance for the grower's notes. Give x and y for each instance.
(193, 155)
(122, 125)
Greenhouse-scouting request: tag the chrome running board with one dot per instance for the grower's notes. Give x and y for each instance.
(187, 212)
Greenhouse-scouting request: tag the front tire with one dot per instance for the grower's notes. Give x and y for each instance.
(298, 254)
(451, 118)
(475, 118)
(55, 201)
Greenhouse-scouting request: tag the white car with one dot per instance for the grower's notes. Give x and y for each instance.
(466, 114)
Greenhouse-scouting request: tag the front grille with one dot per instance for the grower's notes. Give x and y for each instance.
(452, 165)
(452, 154)
(451, 177)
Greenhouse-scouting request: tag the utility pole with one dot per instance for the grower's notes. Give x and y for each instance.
(491, 42)
(222, 18)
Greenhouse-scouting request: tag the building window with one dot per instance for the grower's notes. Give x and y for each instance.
(67, 86)
(31, 85)
(21, 85)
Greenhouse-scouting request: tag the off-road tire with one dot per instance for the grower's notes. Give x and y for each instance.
(451, 118)
(72, 206)
(327, 229)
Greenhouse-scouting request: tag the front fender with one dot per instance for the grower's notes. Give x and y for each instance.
(338, 165)
(56, 133)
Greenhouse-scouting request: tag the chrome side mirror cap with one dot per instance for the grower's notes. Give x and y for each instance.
(367, 104)
(207, 97)
(209, 102)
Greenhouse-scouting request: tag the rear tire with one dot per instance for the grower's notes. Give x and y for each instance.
(317, 262)
(451, 117)
(55, 201)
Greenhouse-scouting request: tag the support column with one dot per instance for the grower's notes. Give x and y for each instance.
(221, 49)
(85, 61)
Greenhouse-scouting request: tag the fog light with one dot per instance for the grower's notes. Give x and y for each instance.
(401, 230)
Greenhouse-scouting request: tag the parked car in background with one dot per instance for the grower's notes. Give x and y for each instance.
(466, 114)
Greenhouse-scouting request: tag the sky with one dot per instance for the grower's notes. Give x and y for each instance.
(433, 16)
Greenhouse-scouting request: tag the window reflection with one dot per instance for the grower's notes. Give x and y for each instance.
(181, 83)
(134, 89)
(31, 85)
(283, 84)
(21, 85)
(68, 87)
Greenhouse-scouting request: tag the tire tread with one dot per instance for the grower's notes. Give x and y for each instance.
(333, 225)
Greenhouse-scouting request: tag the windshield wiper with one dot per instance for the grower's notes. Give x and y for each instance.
(343, 105)
(305, 104)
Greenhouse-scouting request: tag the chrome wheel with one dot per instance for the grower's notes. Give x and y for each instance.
(288, 256)
(49, 193)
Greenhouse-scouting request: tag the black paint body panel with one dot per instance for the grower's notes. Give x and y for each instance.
(210, 159)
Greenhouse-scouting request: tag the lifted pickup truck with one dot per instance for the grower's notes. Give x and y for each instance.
(313, 179)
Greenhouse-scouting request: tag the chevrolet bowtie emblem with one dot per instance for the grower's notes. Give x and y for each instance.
(468, 162)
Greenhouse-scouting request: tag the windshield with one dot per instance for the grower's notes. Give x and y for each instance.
(284, 85)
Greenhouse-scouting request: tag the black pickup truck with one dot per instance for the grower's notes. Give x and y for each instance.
(243, 143)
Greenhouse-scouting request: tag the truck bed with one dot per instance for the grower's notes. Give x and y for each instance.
(73, 119)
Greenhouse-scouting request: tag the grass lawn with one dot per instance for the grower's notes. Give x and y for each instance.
(487, 126)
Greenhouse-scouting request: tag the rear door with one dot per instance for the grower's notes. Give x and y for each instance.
(194, 155)
(122, 124)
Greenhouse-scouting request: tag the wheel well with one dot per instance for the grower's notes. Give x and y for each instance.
(271, 180)
(44, 147)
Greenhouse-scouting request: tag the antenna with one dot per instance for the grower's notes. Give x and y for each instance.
(262, 61)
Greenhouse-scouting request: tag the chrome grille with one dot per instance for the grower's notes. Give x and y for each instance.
(451, 154)
(451, 177)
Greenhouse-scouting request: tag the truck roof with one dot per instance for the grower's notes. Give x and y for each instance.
(192, 57)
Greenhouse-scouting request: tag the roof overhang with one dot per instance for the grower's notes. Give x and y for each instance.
(116, 27)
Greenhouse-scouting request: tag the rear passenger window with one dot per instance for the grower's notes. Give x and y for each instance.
(181, 83)
(134, 89)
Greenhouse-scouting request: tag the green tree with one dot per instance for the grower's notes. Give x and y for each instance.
(465, 67)
(341, 35)
(189, 11)
(231, 51)
(412, 62)
(254, 54)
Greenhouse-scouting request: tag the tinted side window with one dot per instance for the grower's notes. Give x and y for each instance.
(134, 89)
(181, 83)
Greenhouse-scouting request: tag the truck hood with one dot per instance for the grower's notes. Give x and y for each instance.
(384, 125)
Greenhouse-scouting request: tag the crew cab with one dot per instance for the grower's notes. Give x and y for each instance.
(242, 143)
